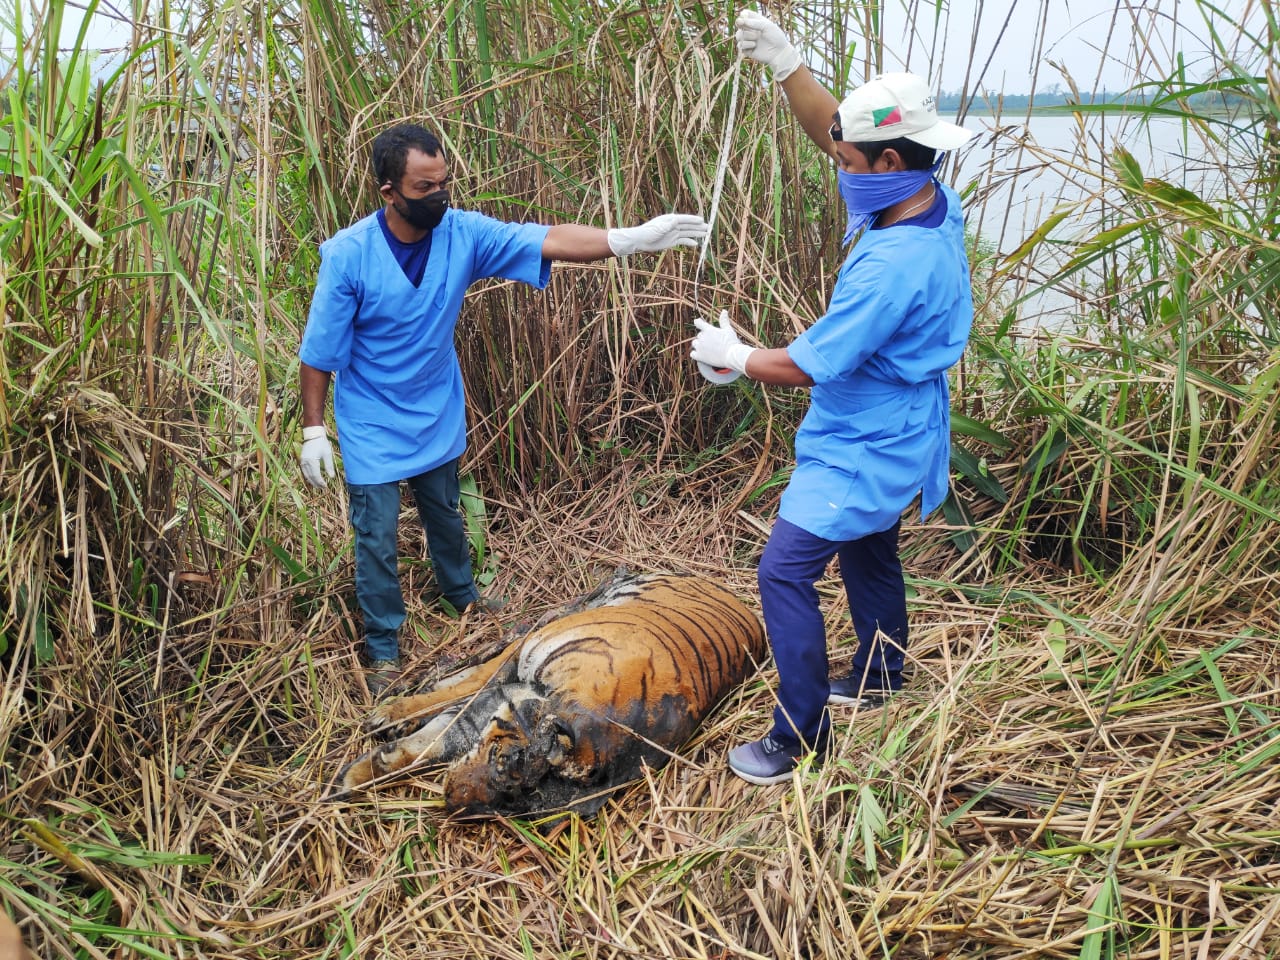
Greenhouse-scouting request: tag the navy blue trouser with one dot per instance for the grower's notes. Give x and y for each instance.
(375, 517)
(792, 564)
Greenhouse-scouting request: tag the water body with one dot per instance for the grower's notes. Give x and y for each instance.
(1020, 171)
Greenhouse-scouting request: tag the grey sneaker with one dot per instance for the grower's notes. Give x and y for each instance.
(847, 690)
(764, 761)
(381, 674)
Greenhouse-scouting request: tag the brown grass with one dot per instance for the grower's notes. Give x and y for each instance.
(1035, 759)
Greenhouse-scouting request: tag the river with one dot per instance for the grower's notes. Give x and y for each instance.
(1018, 172)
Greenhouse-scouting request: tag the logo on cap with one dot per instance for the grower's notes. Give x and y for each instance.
(886, 116)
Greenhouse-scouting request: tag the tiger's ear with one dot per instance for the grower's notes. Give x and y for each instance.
(554, 739)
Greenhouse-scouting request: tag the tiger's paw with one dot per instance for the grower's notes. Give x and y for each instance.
(349, 779)
(393, 719)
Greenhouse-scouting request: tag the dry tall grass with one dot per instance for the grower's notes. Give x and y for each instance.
(1054, 777)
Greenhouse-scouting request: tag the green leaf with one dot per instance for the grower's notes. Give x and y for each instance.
(1127, 168)
(474, 515)
(1049, 448)
(1224, 694)
(974, 429)
(1181, 198)
(894, 744)
(1037, 237)
(975, 471)
(1104, 242)
(90, 235)
(1099, 923)
(870, 823)
(958, 516)
(296, 570)
(1055, 638)
(42, 636)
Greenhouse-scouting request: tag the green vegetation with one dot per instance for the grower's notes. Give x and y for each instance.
(1084, 765)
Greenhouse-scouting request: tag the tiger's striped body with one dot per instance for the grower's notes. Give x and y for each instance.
(572, 709)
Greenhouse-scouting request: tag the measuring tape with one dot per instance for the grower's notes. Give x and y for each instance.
(721, 375)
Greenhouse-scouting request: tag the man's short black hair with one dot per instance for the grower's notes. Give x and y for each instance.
(391, 150)
(916, 156)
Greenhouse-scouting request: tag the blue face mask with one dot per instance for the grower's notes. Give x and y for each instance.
(866, 194)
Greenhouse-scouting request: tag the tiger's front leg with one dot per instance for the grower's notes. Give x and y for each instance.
(395, 718)
(444, 737)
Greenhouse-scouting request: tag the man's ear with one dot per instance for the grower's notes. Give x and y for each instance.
(891, 161)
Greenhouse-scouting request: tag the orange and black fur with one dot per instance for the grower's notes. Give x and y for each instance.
(572, 709)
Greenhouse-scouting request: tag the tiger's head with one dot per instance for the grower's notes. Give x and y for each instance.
(520, 747)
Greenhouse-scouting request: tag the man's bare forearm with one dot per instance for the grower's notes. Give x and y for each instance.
(314, 385)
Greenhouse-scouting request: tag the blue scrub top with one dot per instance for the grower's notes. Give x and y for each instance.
(878, 429)
(398, 398)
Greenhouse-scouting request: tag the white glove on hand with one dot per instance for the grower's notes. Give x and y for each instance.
(762, 40)
(660, 233)
(719, 349)
(317, 456)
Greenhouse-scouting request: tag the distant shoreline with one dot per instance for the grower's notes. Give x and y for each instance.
(1064, 110)
(1057, 104)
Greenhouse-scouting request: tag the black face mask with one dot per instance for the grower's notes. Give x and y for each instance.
(424, 212)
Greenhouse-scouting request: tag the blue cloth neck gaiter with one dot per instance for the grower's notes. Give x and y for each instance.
(866, 194)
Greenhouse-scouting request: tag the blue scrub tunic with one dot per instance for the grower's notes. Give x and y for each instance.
(398, 395)
(878, 429)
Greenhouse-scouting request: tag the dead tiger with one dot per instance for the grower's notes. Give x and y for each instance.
(570, 711)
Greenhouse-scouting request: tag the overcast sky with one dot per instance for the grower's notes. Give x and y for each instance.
(1075, 35)
(1019, 37)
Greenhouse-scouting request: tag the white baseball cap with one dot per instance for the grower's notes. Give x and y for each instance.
(897, 105)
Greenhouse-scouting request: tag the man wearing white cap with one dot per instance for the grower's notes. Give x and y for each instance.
(877, 432)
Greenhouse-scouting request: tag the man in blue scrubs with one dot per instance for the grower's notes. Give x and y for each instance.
(877, 432)
(381, 327)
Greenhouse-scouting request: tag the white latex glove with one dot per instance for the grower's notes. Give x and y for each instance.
(317, 456)
(660, 233)
(719, 349)
(762, 40)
